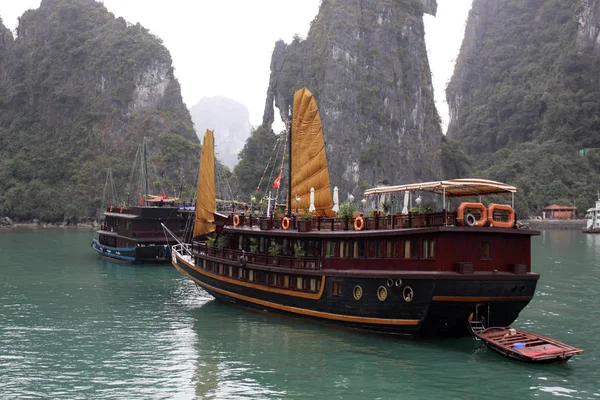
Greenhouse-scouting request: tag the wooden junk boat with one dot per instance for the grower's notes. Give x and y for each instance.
(134, 235)
(414, 273)
(526, 346)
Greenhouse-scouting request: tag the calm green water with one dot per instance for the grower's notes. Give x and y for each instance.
(73, 326)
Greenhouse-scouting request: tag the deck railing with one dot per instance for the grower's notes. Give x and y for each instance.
(377, 222)
(243, 257)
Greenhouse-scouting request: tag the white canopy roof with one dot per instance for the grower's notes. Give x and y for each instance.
(451, 188)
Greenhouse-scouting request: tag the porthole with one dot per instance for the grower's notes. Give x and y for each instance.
(390, 282)
(408, 294)
(382, 293)
(398, 282)
(357, 292)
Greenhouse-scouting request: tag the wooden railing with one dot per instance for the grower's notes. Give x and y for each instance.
(302, 263)
(377, 222)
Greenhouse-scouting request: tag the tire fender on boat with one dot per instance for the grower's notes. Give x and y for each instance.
(461, 217)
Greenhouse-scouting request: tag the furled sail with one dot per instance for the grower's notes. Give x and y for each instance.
(206, 201)
(309, 161)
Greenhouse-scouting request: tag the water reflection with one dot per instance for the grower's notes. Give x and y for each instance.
(79, 327)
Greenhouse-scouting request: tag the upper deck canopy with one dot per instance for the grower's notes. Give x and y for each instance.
(450, 188)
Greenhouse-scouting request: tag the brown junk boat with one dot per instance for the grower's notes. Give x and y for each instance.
(419, 273)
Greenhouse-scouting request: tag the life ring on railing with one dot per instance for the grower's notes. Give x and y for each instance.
(110, 209)
(471, 220)
(501, 224)
(285, 223)
(359, 223)
(121, 210)
(236, 220)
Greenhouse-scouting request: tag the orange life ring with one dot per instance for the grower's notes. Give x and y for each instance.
(501, 224)
(121, 210)
(359, 223)
(285, 223)
(110, 209)
(470, 220)
(236, 220)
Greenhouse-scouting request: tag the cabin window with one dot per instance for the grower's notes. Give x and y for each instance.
(287, 248)
(204, 264)
(230, 270)
(262, 245)
(486, 249)
(329, 249)
(428, 248)
(390, 249)
(220, 269)
(359, 249)
(344, 248)
(306, 284)
(286, 281)
(374, 249)
(411, 249)
(128, 225)
(299, 282)
(312, 250)
(336, 287)
(240, 273)
(251, 275)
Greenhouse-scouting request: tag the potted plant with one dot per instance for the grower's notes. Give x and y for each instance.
(253, 246)
(299, 250)
(275, 251)
(346, 212)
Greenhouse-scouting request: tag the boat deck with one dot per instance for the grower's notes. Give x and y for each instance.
(526, 346)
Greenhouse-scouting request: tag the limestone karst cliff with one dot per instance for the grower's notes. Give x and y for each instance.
(366, 63)
(80, 89)
(525, 98)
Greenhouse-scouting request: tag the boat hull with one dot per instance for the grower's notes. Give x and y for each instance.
(150, 254)
(437, 306)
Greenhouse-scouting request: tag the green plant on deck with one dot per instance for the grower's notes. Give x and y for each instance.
(253, 245)
(222, 241)
(299, 250)
(346, 211)
(274, 249)
(211, 241)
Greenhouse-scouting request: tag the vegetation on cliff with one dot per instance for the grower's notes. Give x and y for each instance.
(79, 90)
(525, 99)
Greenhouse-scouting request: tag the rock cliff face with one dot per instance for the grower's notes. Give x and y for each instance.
(520, 64)
(588, 35)
(525, 99)
(230, 121)
(80, 90)
(366, 63)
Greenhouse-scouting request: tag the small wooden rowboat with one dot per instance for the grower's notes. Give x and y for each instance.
(526, 346)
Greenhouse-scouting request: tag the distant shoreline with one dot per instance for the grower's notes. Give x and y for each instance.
(43, 225)
(555, 223)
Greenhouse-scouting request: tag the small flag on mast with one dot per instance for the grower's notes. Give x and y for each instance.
(276, 182)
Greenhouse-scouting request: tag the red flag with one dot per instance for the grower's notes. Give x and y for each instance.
(163, 194)
(276, 182)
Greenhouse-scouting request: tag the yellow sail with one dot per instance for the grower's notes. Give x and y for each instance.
(309, 162)
(206, 200)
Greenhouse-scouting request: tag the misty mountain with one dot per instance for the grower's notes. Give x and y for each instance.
(230, 121)
(79, 92)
